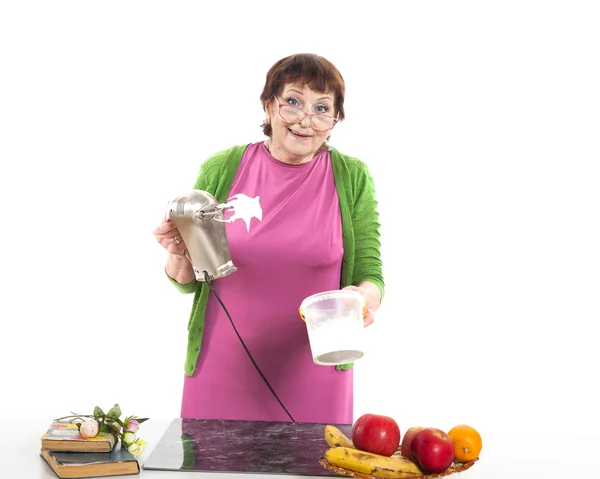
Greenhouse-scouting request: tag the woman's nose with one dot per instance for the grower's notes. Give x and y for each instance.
(305, 122)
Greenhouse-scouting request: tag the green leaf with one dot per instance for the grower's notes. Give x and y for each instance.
(114, 429)
(142, 419)
(104, 428)
(98, 412)
(114, 412)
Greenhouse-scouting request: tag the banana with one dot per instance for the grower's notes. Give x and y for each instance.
(335, 437)
(368, 463)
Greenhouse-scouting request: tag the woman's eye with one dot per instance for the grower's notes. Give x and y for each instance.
(293, 102)
(321, 109)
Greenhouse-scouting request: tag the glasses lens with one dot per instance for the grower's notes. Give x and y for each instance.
(291, 114)
(322, 122)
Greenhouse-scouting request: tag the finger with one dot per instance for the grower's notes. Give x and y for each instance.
(174, 244)
(179, 249)
(168, 237)
(167, 228)
(369, 317)
(351, 288)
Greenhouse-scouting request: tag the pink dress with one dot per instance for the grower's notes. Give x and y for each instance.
(294, 251)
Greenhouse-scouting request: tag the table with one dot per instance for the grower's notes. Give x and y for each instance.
(544, 457)
(19, 451)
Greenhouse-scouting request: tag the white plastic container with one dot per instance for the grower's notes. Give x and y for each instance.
(334, 321)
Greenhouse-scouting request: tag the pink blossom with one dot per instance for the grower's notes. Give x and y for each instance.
(88, 428)
(131, 426)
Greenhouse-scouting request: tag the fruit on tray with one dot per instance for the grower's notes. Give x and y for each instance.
(407, 439)
(395, 466)
(467, 442)
(335, 437)
(375, 449)
(376, 433)
(433, 450)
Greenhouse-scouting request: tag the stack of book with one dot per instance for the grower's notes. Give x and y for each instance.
(71, 456)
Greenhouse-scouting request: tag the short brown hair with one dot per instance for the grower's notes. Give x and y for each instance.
(304, 69)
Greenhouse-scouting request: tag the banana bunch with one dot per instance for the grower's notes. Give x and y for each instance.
(395, 466)
(335, 437)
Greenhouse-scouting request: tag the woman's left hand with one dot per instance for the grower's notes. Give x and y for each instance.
(366, 293)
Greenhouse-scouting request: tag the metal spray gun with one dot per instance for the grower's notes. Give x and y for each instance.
(199, 218)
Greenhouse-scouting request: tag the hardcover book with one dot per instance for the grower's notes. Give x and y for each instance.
(64, 436)
(91, 464)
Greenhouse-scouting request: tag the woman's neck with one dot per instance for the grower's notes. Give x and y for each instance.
(279, 156)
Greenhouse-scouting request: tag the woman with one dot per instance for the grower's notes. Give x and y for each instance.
(318, 231)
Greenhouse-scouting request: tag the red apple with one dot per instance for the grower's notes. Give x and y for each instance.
(407, 439)
(377, 434)
(433, 450)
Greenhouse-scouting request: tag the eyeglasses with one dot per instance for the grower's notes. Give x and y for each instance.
(293, 114)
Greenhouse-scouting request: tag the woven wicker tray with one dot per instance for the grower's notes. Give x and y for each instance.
(454, 468)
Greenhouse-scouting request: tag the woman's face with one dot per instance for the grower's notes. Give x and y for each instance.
(297, 141)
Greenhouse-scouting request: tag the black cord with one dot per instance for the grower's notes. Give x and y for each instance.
(208, 278)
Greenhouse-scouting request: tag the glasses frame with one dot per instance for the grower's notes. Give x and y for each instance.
(309, 115)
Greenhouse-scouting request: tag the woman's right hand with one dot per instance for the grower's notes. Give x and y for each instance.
(169, 238)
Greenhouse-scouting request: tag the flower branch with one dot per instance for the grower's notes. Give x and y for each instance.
(125, 430)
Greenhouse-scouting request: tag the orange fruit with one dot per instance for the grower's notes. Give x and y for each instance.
(467, 442)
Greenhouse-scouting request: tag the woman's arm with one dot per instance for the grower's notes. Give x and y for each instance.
(179, 268)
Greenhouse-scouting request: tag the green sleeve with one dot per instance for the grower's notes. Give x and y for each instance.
(183, 288)
(208, 175)
(365, 220)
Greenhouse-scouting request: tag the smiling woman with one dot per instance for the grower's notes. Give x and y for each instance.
(303, 99)
(295, 134)
(315, 228)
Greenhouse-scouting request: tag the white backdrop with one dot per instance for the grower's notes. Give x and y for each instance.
(479, 122)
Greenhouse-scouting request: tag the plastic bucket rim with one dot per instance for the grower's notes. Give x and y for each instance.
(324, 295)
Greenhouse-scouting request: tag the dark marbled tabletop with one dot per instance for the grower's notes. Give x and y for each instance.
(261, 447)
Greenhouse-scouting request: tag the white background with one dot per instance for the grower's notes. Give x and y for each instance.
(480, 124)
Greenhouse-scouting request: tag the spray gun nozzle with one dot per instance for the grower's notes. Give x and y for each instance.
(223, 207)
(210, 211)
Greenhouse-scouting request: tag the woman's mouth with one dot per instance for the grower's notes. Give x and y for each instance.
(299, 135)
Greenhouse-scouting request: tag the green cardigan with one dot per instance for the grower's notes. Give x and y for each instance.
(360, 230)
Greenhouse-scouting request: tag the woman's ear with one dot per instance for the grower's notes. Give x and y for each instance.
(267, 108)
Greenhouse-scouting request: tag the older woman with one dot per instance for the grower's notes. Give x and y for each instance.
(318, 231)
